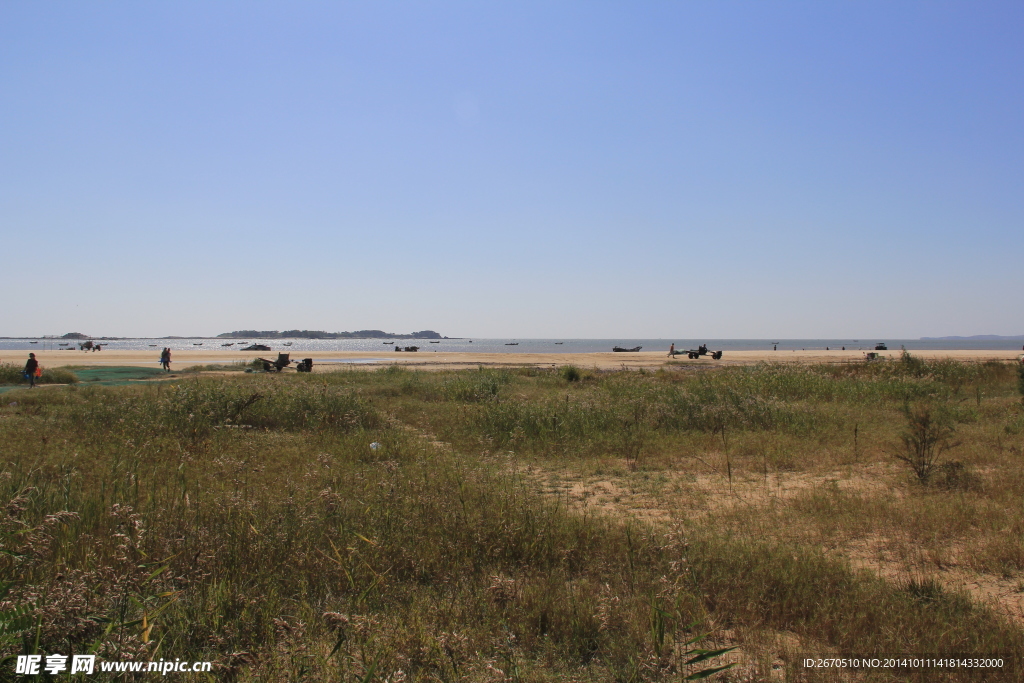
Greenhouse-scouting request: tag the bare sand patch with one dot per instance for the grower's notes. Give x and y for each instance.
(431, 360)
(671, 496)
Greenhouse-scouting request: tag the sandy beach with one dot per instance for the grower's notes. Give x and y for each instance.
(333, 360)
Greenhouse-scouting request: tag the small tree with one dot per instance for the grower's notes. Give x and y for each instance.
(928, 435)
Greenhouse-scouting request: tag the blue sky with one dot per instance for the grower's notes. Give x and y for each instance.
(591, 169)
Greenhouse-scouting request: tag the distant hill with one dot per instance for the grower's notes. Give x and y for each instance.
(976, 337)
(320, 334)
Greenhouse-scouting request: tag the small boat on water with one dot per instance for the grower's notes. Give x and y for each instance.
(512, 344)
(197, 344)
(557, 343)
(619, 349)
(386, 343)
(437, 342)
(287, 344)
(33, 342)
(65, 344)
(228, 344)
(257, 347)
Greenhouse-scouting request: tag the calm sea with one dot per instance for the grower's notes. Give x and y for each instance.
(377, 346)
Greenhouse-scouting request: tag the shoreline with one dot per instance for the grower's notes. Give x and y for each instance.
(326, 360)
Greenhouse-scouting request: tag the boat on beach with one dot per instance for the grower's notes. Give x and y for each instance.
(619, 349)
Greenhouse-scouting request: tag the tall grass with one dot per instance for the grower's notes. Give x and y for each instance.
(14, 374)
(293, 550)
(247, 520)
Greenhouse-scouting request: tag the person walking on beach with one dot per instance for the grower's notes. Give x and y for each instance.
(31, 367)
(165, 359)
(672, 349)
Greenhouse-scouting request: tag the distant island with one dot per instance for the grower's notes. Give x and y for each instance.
(266, 334)
(976, 337)
(320, 334)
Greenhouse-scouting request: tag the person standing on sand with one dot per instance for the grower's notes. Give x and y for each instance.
(672, 349)
(30, 369)
(165, 359)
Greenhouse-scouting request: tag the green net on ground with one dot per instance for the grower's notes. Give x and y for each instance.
(110, 376)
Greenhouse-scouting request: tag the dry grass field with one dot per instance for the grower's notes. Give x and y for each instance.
(521, 524)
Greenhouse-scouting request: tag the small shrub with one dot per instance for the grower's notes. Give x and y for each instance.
(570, 373)
(912, 365)
(1020, 379)
(929, 434)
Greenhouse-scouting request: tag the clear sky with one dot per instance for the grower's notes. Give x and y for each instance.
(527, 169)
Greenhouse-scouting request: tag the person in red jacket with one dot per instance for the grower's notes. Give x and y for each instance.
(30, 369)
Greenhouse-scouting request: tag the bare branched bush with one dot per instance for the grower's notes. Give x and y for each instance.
(929, 434)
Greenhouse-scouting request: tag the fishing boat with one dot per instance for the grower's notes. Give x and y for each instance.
(557, 343)
(197, 343)
(437, 342)
(512, 344)
(287, 344)
(228, 344)
(33, 342)
(619, 349)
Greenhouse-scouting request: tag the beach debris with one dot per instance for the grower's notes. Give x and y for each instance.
(375, 446)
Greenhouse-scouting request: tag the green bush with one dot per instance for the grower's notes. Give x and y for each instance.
(570, 373)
